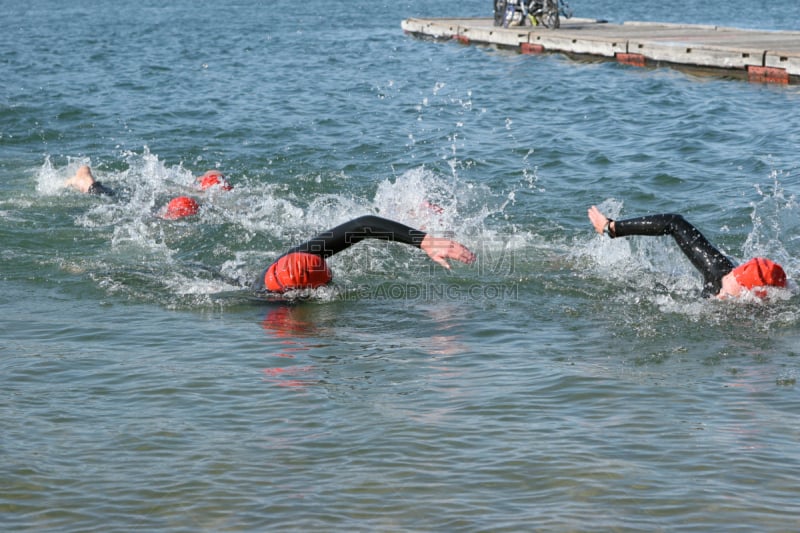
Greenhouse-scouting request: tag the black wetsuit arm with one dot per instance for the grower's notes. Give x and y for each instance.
(98, 188)
(346, 235)
(711, 263)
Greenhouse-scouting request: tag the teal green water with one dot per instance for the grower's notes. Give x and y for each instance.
(564, 382)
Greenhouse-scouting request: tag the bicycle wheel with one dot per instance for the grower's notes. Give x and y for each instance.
(499, 11)
(549, 17)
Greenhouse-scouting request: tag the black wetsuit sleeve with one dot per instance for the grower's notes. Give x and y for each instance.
(346, 235)
(711, 263)
(98, 188)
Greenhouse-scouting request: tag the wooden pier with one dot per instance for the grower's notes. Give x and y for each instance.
(756, 55)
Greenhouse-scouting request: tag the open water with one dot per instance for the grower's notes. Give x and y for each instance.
(564, 382)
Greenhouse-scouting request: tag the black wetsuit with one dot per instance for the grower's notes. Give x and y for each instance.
(346, 235)
(98, 188)
(711, 263)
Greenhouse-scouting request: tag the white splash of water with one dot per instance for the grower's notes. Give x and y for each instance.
(238, 233)
(775, 226)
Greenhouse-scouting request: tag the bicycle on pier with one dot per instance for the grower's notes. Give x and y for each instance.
(546, 13)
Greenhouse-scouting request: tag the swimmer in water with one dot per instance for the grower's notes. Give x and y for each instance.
(84, 181)
(304, 267)
(213, 178)
(180, 207)
(722, 278)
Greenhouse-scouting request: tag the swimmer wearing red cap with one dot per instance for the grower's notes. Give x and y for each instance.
(304, 267)
(180, 207)
(721, 277)
(213, 178)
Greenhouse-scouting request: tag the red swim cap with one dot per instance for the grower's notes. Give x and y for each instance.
(214, 177)
(297, 270)
(180, 207)
(760, 272)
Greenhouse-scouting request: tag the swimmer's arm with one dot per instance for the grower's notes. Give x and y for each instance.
(346, 235)
(712, 264)
(652, 225)
(84, 181)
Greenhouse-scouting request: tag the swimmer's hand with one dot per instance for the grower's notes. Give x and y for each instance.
(600, 222)
(82, 180)
(440, 250)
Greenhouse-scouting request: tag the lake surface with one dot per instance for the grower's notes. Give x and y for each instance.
(564, 382)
